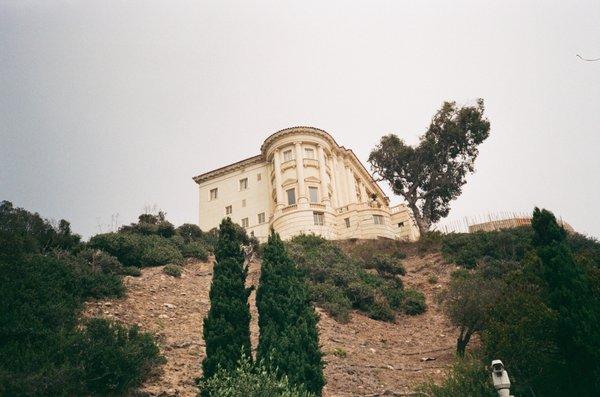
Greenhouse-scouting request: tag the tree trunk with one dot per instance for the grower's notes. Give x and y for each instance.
(462, 342)
(422, 223)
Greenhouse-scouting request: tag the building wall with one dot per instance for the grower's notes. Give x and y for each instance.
(255, 196)
(345, 190)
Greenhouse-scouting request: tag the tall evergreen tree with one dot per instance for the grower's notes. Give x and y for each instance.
(227, 325)
(289, 339)
(568, 292)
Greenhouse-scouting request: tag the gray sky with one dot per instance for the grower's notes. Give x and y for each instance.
(108, 106)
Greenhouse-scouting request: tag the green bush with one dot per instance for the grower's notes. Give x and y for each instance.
(138, 250)
(115, 358)
(249, 380)
(195, 250)
(101, 261)
(23, 232)
(468, 249)
(414, 302)
(173, 270)
(332, 299)
(468, 377)
(339, 282)
(189, 232)
(385, 265)
(132, 271)
(159, 254)
(42, 350)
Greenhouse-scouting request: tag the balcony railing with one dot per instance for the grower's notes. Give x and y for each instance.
(290, 207)
(317, 206)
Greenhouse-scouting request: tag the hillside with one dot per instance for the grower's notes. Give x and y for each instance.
(362, 357)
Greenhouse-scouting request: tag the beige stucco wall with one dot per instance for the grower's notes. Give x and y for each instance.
(345, 190)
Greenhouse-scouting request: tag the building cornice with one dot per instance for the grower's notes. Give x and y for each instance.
(271, 139)
(228, 168)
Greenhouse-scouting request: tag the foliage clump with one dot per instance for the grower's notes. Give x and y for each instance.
(44, 350)
(173, 270)
(137, 249)
(340, 282)
(532, 296)
(250, 380)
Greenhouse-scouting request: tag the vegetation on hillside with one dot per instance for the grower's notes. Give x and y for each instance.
(227, 326)
(250, 380)
(532, 296)
(365, 281)
(46, 274)
(432, 174)
(154, 241)
(289, 340)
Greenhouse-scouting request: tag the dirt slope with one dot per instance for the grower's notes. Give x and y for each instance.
(362, 357)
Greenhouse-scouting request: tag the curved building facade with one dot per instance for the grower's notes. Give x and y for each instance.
(302, 182)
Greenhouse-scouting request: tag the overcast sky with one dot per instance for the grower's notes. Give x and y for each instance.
(110, 106)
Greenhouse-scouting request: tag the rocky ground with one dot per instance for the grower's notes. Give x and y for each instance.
(363, 357)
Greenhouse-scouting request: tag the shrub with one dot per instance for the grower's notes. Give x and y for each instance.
(467, 249)
(380, 309)
(173, 270)
(137, 250)
(159, 253)
(385, 265)
(249, 381)
(432, 279)
(414, 302)
(189, 232)
(332, 299)
(126, 247)
(23, 232)
(42, 351)
(195, 250)
(115, 358)
(468, 377)
(132, 271)
(339, 282)
(101, 261)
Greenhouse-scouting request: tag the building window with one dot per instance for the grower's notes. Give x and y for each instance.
(401, 225)
(258, 176)
(245, 222)
(314, 194)
(318, 217)
(291, 196)
(309, 153)
(261, 218)
(228, 210)
(347, 220)
(287, 155)
(214, 193)
(244, 184)
(378, 219)
(243, 202)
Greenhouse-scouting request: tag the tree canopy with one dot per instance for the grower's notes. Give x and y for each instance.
(431, 175)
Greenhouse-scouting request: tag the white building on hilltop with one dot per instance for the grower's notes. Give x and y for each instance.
(302, 182)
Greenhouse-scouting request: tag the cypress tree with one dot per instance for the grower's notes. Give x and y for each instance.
(568, 291)
(289, 340)
(227, 325)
